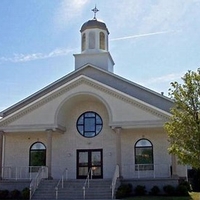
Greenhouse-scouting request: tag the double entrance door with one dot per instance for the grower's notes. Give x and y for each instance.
(90, 159)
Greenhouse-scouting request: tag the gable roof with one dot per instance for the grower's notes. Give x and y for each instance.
(110, 79)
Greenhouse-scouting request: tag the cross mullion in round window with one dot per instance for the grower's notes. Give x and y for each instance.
(89, 124)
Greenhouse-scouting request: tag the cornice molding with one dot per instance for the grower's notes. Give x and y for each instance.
(34, 128)
(74, 83)
(129, 99)
(137, 124)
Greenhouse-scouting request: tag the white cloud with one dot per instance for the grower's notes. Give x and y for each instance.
(141, 35)
(36, 56)
(165, 14)
(151, 15)
(68, 10)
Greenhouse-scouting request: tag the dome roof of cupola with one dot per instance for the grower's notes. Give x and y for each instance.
(94, 23)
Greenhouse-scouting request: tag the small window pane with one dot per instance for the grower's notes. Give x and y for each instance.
(83, 171)
(38, 145)
(92, 40)
(96, 158)
(83, 158)
(81, 120)
(96, 171)
(143, 143)
(80, 128)
(89, 124)
(102, 40)
(83, 42)
(98, 120)
(89, 134)
(37, 158)
(144, 156)
(98, 128)
(89, 114)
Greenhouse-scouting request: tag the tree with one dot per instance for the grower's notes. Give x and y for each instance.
(183, 127)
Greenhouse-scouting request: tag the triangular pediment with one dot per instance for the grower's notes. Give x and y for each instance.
(125, 110)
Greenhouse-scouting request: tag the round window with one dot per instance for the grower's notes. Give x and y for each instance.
(89, 124)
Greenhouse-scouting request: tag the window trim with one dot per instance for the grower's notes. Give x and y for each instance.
(82, 131)
(147, 166)
(35, 168)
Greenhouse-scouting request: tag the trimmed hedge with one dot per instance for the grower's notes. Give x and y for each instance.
(124, 190)
(14, 194)
(140, 190)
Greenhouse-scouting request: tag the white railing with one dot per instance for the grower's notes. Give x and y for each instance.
(87, 181)
(146, 171)
(63, 177)
(114, 180)
(19, 172)
(42, 173)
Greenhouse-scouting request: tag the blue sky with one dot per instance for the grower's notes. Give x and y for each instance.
(153, 42)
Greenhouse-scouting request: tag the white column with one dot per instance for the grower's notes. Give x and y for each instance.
(118, 148)
(1, 152)
(174, 166)
(49, 152)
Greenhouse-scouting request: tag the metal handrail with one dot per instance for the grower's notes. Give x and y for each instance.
(87, 182)
(19, 172)
(64, 175)
(147, 170)
(36, 181)
(114, 180)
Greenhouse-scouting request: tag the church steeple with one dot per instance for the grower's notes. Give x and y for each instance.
(94, 45)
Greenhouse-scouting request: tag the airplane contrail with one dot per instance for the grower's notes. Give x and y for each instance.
(141, 35)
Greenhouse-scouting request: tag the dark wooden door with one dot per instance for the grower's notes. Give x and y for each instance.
(89, 159)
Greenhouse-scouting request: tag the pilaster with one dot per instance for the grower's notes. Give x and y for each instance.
(49, 152)
(1, 152)
(174, 166)
(118, 148)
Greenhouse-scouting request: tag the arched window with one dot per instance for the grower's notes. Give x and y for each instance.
(102, 40)
(37, 156)
(83, 42)
(91, 40)
(143, 155)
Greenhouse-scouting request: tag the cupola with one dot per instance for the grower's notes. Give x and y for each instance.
(94, 36)
(94, 45)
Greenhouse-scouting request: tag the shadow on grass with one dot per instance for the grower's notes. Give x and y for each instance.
(163, 198)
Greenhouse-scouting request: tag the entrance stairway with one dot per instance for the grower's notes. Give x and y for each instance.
(73, 189)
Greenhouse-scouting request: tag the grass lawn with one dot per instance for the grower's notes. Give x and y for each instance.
(193, 196)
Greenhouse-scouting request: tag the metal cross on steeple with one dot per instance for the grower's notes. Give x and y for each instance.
(95, 10)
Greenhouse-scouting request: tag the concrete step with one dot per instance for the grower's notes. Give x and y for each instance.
(73, 189)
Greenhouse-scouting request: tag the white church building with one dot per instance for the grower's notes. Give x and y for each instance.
(89, 120)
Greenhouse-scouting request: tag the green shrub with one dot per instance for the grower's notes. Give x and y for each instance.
(182, 190)
(124, 190)
(25, 193)
(186, 184)
(15, 194)
(4, 194)
(140, 190)
(169, 190)
(194, 177)
(155, 190)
